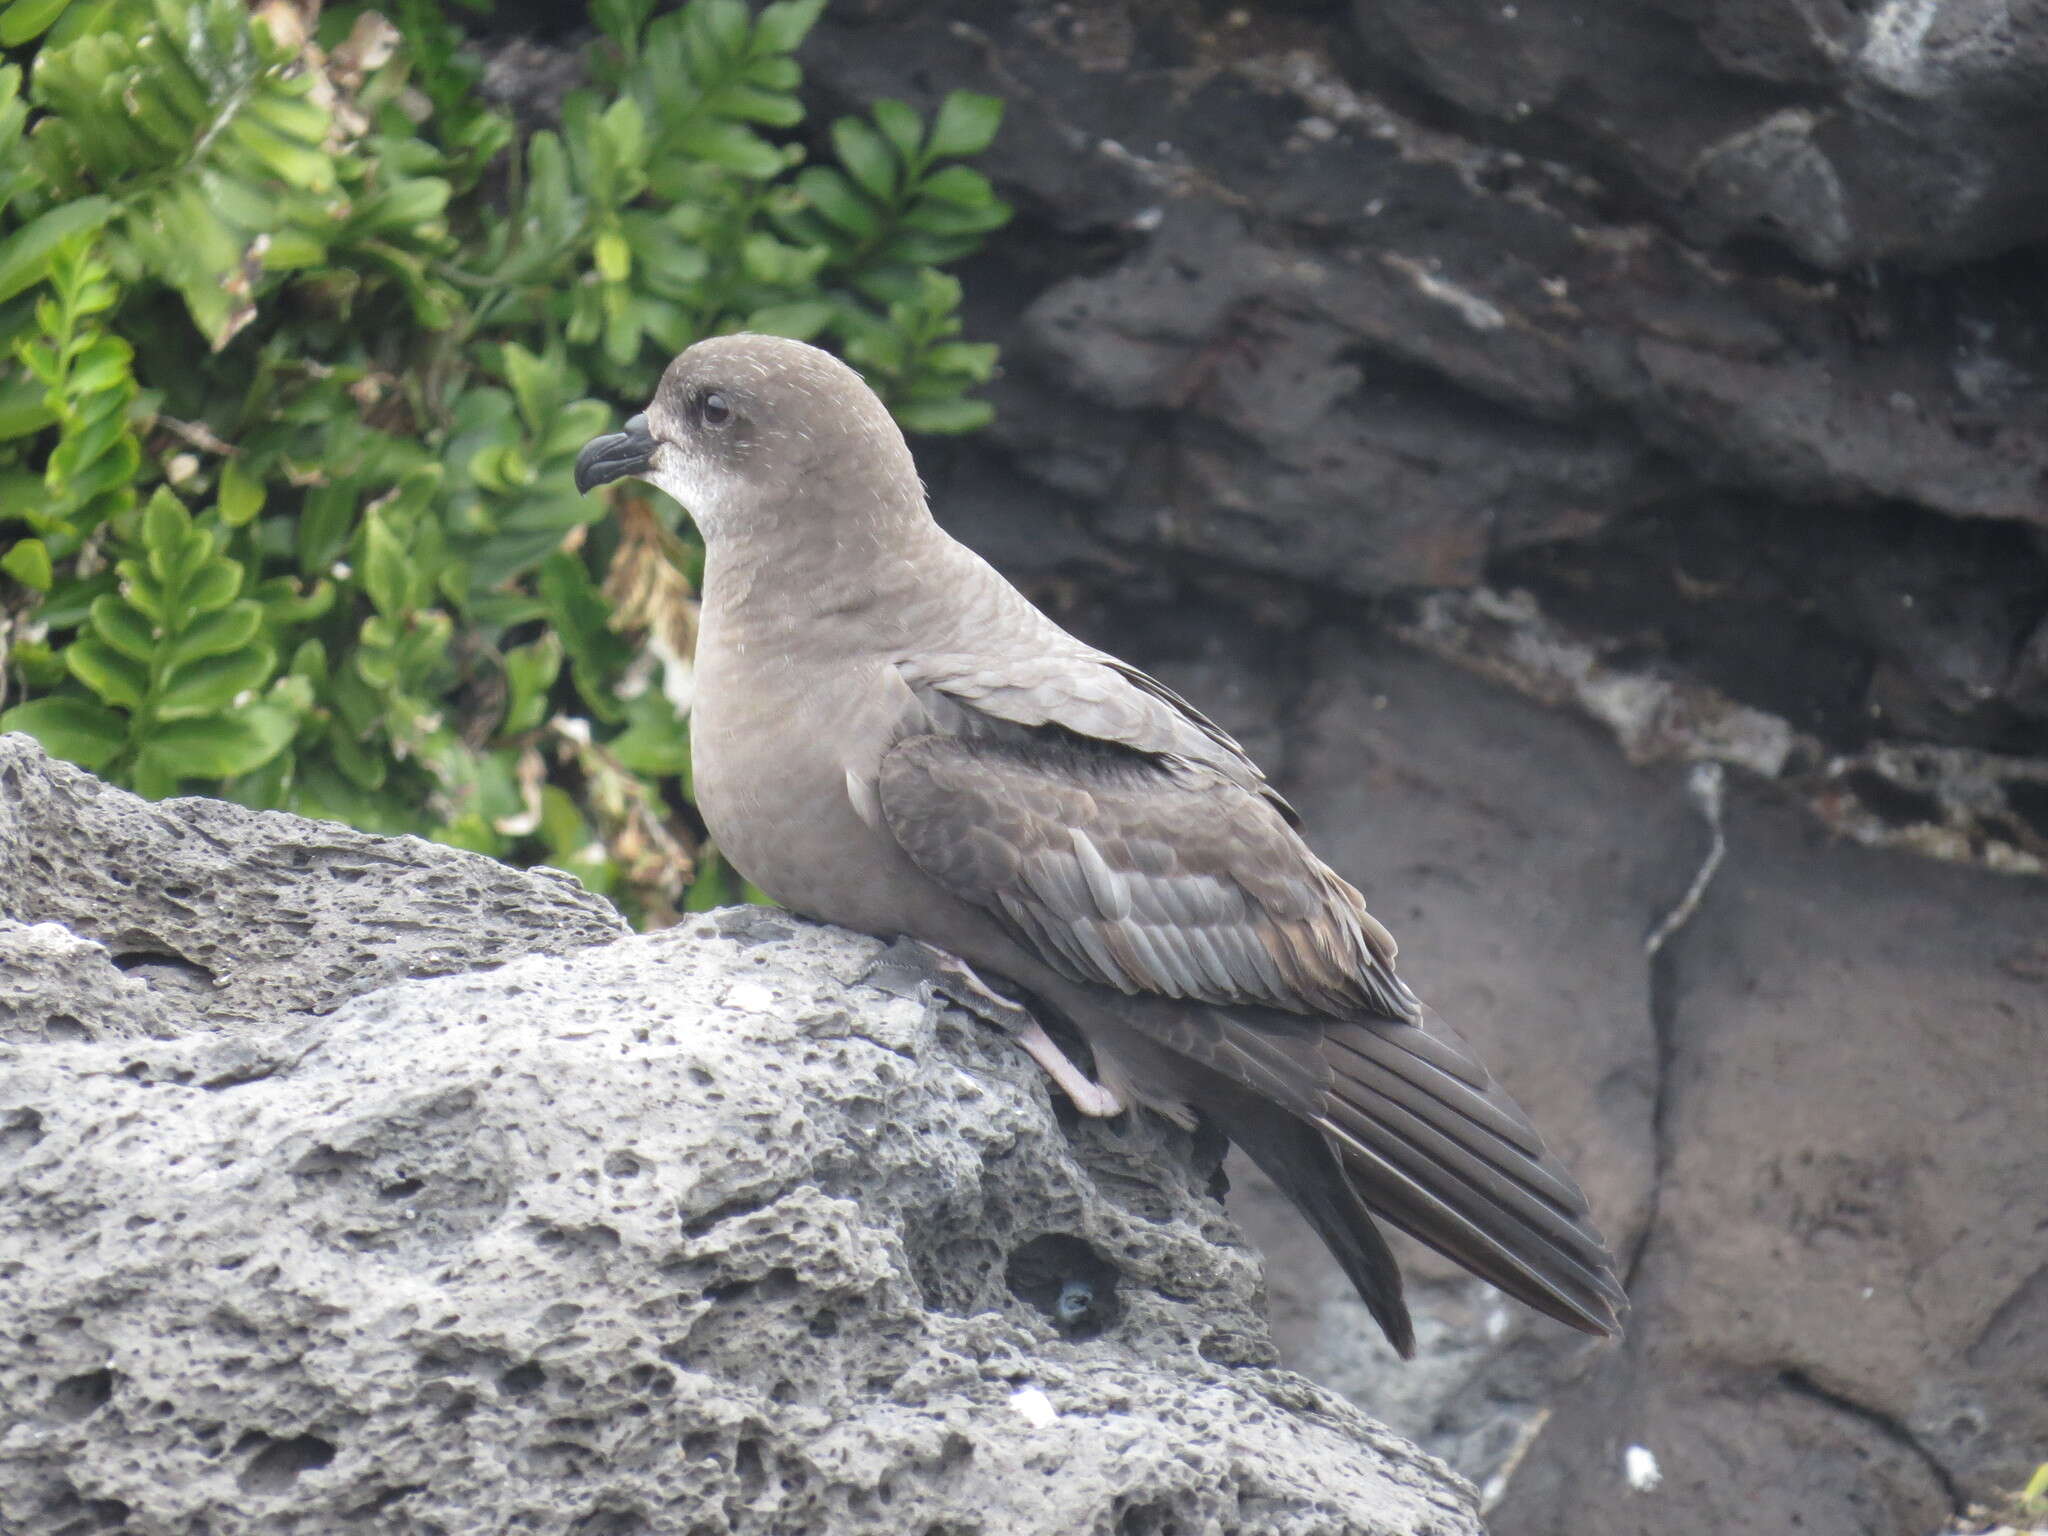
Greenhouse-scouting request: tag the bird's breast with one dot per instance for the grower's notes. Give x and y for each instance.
(778, 756)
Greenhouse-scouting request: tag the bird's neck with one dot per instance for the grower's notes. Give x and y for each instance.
(867, 587)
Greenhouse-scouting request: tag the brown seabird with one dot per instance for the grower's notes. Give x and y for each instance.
(887, 735)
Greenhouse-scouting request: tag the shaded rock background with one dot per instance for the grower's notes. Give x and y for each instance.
(1489, 409)
(486, 1217)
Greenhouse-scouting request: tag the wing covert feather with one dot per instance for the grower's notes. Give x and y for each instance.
(1085, 692)
(1139, 874)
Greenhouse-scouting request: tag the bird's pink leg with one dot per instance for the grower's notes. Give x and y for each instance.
(1090, 1098)
(922, 964)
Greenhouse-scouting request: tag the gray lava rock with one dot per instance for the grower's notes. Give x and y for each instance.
(689, 1233)
(235, 916)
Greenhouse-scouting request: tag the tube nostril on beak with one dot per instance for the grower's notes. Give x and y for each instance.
(615, 455)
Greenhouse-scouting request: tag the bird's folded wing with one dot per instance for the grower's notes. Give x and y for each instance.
(1084, 692)
(1144, 874)
(1153, 874)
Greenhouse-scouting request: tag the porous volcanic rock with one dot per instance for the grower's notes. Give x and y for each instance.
(220, 916)
(688, 1233)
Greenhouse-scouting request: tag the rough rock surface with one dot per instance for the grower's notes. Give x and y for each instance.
(692, 1233)
(1894, 131)
(1842, 1298)
(203, 914)
(1296, 294)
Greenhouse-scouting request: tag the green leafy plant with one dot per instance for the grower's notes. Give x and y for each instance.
(301, 340)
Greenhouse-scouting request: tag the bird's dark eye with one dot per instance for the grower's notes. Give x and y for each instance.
(714, 410)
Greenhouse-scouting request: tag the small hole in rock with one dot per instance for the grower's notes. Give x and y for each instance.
(77, 1397)
(158, 968)
(22, 1129)
(279, 1463)
(746, 1465)
(1147, 1520)
(521, 1380)
(1069, 1281)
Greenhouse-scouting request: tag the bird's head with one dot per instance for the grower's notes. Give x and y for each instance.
(750, 428)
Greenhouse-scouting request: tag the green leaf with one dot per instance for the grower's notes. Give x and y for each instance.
(799, 321)
(902, 127)
(944, 416)
(240, 496)
(221, 746)
(963, 187)
(624, 126)
(732, 146)
(25, 258)
(23, 407)
(25, 19)
(28, 562)
(614, 257)
(71, 728)
(724, 22)
(204, 686)
(82, 18)
(214, 635)
(165, 527)
(966, 124)
(783, 25)
(101, 367)
(534, 386)
(655, 740)
(307, 169)
(141, 589)
(530, 671)
(324, 524)
(621, 20)
(713, 886)
(974, 360)
(212, 586)
(866, 157)
(836, 200)
(125, 629)
(387, 573)
(365, 768)
(117, 679)
(582, 620)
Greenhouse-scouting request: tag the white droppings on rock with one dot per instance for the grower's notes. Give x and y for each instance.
(1034, 1407)
(750, 997)
(1639, 1466)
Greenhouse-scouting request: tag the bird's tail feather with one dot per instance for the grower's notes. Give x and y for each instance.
(1302, 1162)
(1435, 1146)
(1362, 1118)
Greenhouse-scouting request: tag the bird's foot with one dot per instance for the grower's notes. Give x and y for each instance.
(910, 965)
(1091, 1098)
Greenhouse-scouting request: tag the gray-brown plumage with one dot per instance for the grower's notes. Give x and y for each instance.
(888, 736)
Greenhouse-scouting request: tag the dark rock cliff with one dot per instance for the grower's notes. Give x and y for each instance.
(1583, 448)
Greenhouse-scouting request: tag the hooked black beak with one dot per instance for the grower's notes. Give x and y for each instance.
(615, 455)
